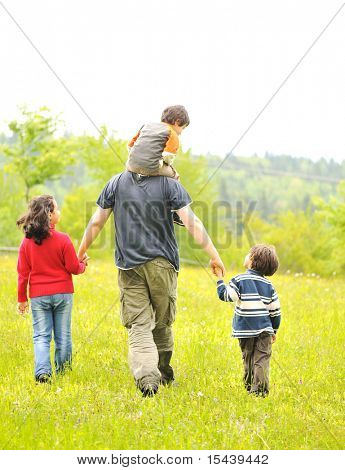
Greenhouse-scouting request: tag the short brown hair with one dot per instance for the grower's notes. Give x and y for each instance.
(36, 222)
(264, 259)
(174, 114)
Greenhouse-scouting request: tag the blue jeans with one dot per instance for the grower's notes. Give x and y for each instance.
(52, 313)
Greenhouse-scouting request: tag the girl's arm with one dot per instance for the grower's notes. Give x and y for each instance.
(23, 270)
(72, 263)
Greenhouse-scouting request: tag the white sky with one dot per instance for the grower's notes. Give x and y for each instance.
(126, 60)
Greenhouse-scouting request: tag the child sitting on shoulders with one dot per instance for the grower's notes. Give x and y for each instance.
(257, 315)
(153, 149)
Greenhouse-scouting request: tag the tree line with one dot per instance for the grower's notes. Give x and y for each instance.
(294, 203)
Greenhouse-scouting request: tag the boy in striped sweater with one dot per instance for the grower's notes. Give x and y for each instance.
(257, 314)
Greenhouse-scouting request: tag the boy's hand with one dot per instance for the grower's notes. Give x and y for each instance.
(218, 272)
(217, 267)
(23, 307)
(273, 339)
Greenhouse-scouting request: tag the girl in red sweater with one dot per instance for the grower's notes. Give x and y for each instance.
(46, 262)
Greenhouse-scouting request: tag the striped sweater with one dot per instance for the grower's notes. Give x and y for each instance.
(257, 305)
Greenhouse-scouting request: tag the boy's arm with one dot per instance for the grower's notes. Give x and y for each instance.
(171, 148)
(23, 270)
(228, 292)
(274, 309)
(168, 158)
(133, 140)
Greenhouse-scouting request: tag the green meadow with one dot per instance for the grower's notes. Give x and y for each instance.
(96, 406)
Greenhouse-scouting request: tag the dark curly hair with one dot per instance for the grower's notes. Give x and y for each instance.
(174, 114)
(36, 222)
(264, 259)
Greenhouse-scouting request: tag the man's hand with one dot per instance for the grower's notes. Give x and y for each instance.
(85, 259)
(23, 307)
(217, 267)
(273, 338)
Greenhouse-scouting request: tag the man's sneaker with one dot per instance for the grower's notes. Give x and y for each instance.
(149, 390)
(177, 220)
(43, 378)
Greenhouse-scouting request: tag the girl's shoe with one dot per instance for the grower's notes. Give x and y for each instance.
(43, 378)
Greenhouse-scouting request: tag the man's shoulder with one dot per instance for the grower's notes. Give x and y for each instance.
(112, 183)
(114, 179)
(172, 183)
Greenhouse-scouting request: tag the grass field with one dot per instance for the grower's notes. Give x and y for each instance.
(96, 406)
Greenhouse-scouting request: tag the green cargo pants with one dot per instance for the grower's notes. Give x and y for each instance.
(256, 354)
(148, 310)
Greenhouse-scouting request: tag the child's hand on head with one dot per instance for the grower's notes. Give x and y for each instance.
(23, 308)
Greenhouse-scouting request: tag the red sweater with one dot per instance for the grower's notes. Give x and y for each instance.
(48, 267)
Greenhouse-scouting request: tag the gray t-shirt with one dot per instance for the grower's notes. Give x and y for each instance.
(142, 208)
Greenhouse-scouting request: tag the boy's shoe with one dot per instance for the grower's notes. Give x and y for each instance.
(43, 378)
(149, 390)
(177, 220)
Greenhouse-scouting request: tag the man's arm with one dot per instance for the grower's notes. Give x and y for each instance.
(95, 225)
(196, 228)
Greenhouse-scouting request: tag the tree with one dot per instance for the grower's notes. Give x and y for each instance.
(104, 155)
(334, 215)
(35, 154)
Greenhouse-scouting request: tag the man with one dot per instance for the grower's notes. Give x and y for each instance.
(148, 263)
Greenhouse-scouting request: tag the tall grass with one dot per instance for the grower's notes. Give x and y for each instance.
(96, 406)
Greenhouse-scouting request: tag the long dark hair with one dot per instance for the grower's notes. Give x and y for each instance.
(36, 222)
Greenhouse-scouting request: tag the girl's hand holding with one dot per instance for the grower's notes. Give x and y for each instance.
(85, 259)
(23, 307)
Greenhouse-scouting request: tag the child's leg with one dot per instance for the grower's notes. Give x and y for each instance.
(42, 320)
(163, 170)
(247, 348)
(62, 331)
(261, 363)
(167, 170)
